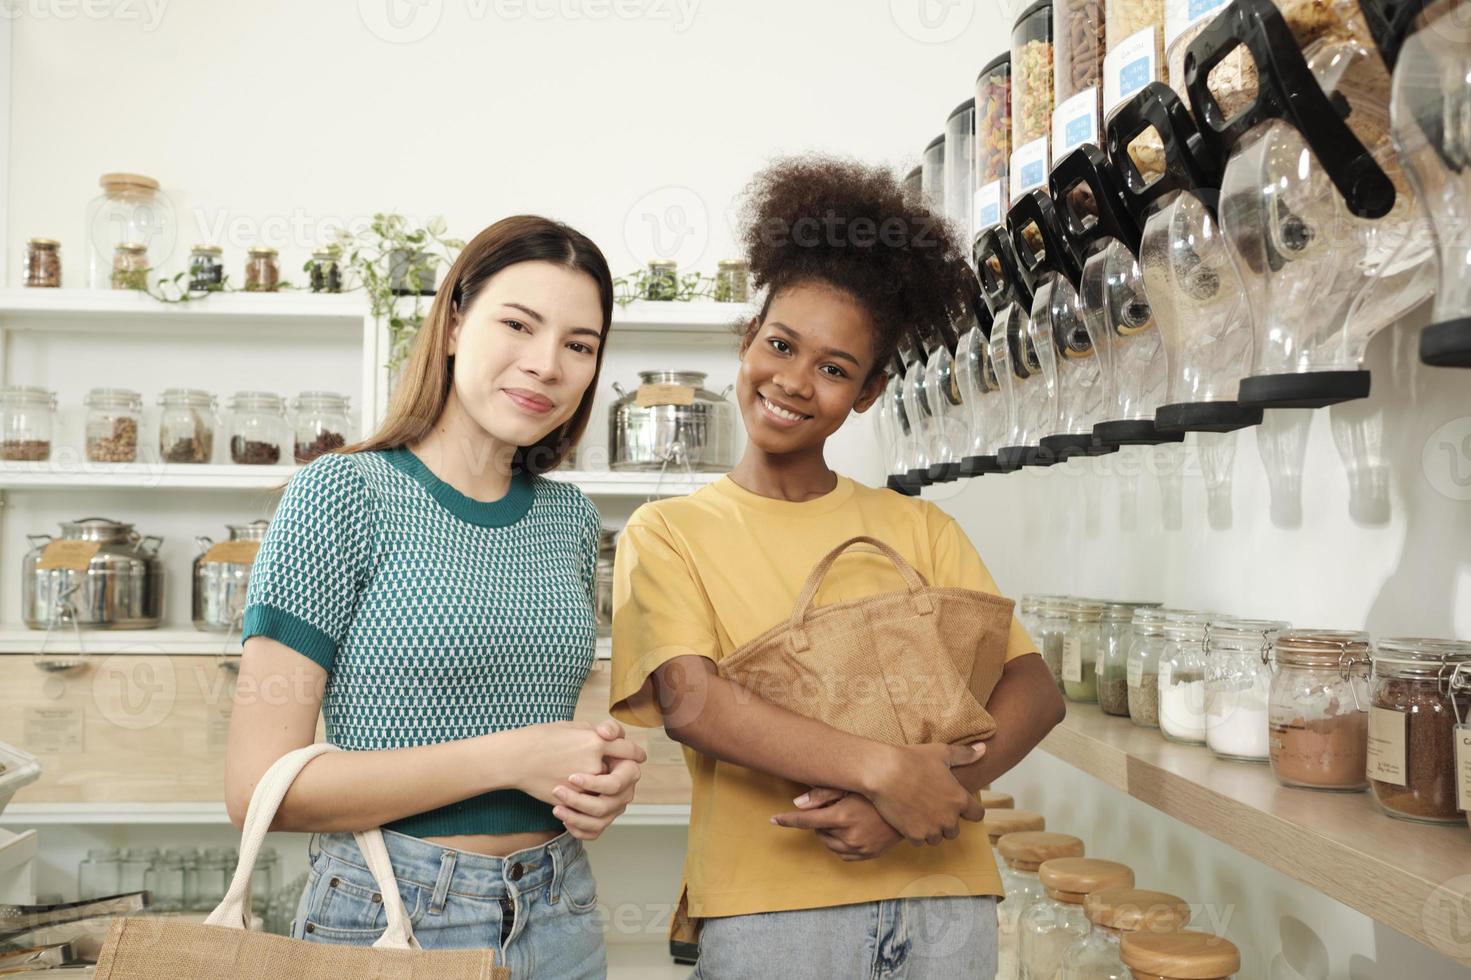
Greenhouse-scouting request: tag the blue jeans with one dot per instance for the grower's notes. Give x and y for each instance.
(536, 908)
(899, 939)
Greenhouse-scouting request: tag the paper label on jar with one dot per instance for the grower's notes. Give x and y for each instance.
(1072, 660)
(70, 555)
(234, 552)
(1134, 672)
(1463, 767)
(1181, 15)
(988, 206)
(1029, 168)
(649, 396)
(1075, 122)
(1387, 745)
(1166, 671)
(1129, 67)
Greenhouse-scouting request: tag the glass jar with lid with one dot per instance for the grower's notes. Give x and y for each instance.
(1111, 913)
(186, 426)
(257, 428)
(130, 265)
(215, 869)
(326, 272)
(98, 873)
(1021, 855)
(206, 269)
(1318, 714)
(1413, 713)
(733, 281)
(994, 800)
(1031, 98)
(1011, 821)
(26, 417)
(1143, 666)
(1080, 650)
(1051, 924)
(1182, 677)
(113, 415)
(165, 883)
(1052, 627)
(1461, 694)
(134, 867)
(130, 210)
(1115, 638)
(43, 264)
(262, 271)
(1077, 37)
(321, 424)
(1183, 955)
(1029, 611)
(1238, 682)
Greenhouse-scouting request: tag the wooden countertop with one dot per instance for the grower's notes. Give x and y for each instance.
(1413, 877)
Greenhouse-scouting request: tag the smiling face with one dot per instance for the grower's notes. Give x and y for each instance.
(526, 350)
(806, 368)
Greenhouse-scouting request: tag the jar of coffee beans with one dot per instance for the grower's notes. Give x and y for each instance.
(26, 418)
(257, 428)
(112, 424)
(186, 426)
(321, 424)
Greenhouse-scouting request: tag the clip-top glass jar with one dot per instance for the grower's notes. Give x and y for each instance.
(1412, 727)
(26, 417)
(1182, 677)
(186, 426)
(1052, 625)
(1319, 709)
(1183, 955)
(1050, 925)
(1111, 913)
(1022, 854)
(112, 425)
(257, 428)
(321, 424)
(1238, 682)
(43, 263)
(1143, 668)
(1080, 650)
(1116, 635)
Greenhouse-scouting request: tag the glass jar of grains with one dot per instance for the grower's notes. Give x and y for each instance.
(186, 426)
(1111, 914)
(1183, 955)
(1318, 715)
(1143, 668)
(43, 264)
(1413, 715)
(257, 428)
(1115, 638)
(1080, 650)
(112, 425)
(1022, 854)
(1050, 925)
(1182, 677)
(262, 272)
(26, 417)
(1052, 625)
(1238, 681)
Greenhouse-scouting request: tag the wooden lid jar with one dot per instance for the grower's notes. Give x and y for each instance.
(1002, 822)
(1182, 955)
(1028, 850)
(1137, 910)
(1072, 879)
(992, 800)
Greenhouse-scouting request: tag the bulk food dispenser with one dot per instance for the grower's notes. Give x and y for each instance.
(1326, 234)
(1430, 111)
(1007, 297)
(948, 422)
(979, 392)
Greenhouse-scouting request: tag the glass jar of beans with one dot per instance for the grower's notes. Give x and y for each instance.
(113, 415)
(257, 428)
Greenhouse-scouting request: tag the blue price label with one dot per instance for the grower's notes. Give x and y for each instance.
(990, 215)
(1133, 77)
(1199, 8)
(1078, 131)
(1033, 174)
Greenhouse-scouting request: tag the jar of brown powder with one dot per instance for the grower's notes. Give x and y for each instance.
(1412, 727)
(1318, 712)
(1461, 689)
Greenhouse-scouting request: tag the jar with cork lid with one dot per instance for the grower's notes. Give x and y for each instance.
(1022, 855)
(1413, 714)
(999, 823)
(1050, 925)
(1112, 913)
(1318, 713)
(994, 800)
(1183, 955)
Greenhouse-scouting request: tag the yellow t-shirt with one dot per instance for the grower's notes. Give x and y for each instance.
(703, 575)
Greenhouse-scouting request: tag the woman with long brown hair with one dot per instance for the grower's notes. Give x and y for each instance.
(431, 594)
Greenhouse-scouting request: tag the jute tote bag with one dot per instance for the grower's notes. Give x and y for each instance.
(139, 948)
(901, 667)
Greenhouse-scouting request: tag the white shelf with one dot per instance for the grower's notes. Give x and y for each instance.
(645, 316)
(82, 475)
(46, 309)
(209, 814)
(17, 640)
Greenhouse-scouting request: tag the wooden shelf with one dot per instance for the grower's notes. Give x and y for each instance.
(211, 814)
(1397, 872)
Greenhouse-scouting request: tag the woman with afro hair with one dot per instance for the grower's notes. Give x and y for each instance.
(792, 867)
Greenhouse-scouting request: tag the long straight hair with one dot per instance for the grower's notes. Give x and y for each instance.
(423, 389)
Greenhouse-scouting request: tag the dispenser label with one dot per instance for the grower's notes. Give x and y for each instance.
(233, 552)
(73, 556)
(1029, 168)
(1075, 122)
(988, 206)
(649, 396)
(1129, 67)
(1181, 15)
(1387, 745)
(1072, 660)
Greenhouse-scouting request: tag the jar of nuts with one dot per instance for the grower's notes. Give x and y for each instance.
(112, 425)
(43, 263)
(26, 417)
(262, 271)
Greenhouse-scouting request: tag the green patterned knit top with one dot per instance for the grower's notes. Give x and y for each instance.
(436, 616)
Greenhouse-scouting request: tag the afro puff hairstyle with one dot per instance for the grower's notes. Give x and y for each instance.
(852, 227)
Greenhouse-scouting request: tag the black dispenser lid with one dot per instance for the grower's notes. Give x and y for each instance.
(1035, 208)
(1110, 217)
(1001, 280)
(1189, 164)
